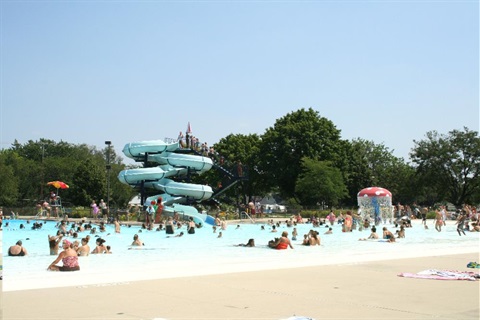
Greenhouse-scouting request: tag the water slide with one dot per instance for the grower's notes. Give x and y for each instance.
(171, 165)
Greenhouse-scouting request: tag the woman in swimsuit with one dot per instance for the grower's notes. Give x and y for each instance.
(84, 249)
(69, 259)
(17, 250)
(95, 209)
(100, 248)
(282, 243)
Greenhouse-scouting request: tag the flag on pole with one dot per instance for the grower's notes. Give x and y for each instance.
(189, 129)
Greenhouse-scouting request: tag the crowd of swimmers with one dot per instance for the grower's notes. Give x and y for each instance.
(466, 219)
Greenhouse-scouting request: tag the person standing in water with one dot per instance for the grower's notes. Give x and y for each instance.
(438, 220)
(191, 226)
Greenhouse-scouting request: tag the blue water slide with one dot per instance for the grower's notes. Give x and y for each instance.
(170, 165)
(133, 176)
(135, 150)
(195, 191)
(198, 163)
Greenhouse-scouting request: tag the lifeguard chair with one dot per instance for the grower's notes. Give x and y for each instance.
(57, 208)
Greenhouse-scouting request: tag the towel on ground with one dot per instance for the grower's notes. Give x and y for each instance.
(442, 275)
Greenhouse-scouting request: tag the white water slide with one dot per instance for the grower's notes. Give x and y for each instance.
(170, 165)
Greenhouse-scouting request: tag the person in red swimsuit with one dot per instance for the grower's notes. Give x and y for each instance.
(281, 243)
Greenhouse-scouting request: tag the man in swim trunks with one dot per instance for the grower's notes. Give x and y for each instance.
(17, 250)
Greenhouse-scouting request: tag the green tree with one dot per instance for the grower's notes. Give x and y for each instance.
(320, 182)
(302, 133)
(243, 149)
(371, 164)
(9, 185)
(88, 183)
(450, 163)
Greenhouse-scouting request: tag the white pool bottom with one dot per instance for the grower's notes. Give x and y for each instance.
(205, 254)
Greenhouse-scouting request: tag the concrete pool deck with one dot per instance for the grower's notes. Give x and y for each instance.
(370, 290)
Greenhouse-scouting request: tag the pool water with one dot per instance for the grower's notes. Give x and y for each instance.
(204, 253)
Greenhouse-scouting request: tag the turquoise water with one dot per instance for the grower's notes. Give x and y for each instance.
(204, 253)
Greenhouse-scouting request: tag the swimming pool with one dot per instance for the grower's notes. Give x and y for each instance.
(204, 253)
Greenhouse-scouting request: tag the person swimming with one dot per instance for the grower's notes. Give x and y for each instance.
(250, 243)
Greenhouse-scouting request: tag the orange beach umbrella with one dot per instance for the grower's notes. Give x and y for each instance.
(58, 184)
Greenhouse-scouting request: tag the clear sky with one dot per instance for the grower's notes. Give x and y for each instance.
(125, 71)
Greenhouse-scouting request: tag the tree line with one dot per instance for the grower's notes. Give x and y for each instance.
(302, 158)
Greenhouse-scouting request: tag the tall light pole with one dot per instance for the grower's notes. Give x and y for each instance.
(43, 171)
(108, 167)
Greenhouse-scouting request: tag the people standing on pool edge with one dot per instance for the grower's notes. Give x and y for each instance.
(17, 250)
(68, 257)
(95, 209)
(150, 213)
(103, 208)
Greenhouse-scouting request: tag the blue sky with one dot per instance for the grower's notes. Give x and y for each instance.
(125, 71)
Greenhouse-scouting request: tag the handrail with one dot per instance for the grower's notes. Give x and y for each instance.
(244, 212)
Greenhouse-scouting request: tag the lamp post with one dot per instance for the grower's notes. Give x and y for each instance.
(43, 171)
(108, 167)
